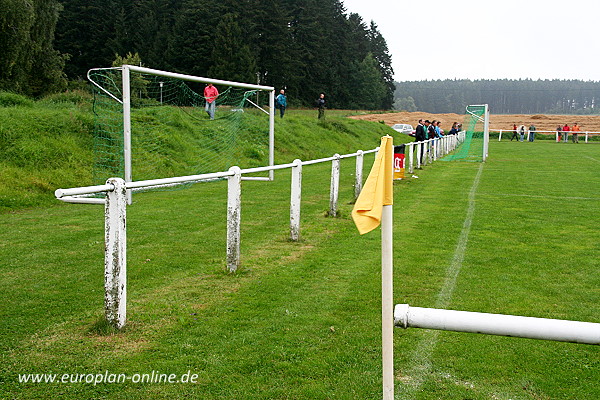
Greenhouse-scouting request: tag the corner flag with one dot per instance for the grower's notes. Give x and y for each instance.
(378, 189)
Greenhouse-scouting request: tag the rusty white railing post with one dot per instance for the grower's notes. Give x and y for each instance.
(295, 199)
(115, 254)
(234, 214)
(335, 185)
(358, 175)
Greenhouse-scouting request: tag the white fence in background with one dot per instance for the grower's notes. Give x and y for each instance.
(564, 134)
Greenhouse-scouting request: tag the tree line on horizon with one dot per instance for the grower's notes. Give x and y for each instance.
(504, 96)
(304, 46)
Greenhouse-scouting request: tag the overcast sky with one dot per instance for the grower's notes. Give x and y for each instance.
(489, 39)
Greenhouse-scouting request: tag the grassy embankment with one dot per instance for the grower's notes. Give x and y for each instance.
(49, 144)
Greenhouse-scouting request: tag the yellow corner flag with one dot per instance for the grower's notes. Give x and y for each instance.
(378, 189)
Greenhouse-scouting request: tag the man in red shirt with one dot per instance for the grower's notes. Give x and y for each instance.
(566, 130)
(210, 95)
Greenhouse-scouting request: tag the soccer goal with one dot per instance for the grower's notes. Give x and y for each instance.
(143, 117)
(477, 135)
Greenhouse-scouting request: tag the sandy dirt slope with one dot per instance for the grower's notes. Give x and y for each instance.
(589, 123)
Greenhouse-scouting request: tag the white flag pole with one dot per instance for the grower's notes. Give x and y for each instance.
(387, 306)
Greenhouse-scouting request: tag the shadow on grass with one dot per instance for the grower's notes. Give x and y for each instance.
(102, 328)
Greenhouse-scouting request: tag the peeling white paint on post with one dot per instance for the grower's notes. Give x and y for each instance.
(234, 214)
(335, 184)
(115, 255)
(295, 200)
(358, 175)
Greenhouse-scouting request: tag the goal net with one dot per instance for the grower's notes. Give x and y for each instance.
(152, 124)
(476, 138)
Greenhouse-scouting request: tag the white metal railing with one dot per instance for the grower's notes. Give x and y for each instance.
(115, 202)
(116, 199)
(406, 316)
(558, 134)
(429, 150)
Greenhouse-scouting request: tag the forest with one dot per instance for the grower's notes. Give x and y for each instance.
(304, 46)
(504, 96)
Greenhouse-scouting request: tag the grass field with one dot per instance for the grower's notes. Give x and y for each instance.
(516, 235)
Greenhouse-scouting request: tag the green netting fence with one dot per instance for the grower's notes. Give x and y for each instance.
(472, 147)
(171, 133)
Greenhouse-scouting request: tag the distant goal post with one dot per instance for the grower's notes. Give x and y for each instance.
(127, 89)
(475, 142)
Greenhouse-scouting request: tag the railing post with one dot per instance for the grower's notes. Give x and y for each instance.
(410, 157)
(358, 175)
(115, 254)
(296, 195)
(335, 184)
(586, 137)
(500, 136)
(234, 214)
(419, 153)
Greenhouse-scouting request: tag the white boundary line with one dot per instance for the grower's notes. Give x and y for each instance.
(421, 357)
(540, 196)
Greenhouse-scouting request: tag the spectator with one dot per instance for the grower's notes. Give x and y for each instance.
(566, 130)
(454, 129)
(522, 132)
(514, 135)
(439, 132)
(420, 135)
(281, 102)
(575, 133)
(431, 130)
(558, 134)
(420, 131)
(210, 95)
(321, 105)
(531, 132)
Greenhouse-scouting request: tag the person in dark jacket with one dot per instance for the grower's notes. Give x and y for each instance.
(420, 131)
(321, 105)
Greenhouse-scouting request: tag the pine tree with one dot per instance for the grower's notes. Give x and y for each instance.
(30, 63)
(231, 56)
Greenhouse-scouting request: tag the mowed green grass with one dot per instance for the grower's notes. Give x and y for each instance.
(302, 320)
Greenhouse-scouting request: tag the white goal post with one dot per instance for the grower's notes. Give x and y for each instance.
(126, 103)
(486, 127)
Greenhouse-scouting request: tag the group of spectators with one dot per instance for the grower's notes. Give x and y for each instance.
(519, 133)
(562, 133)
(431, 130)
(211, 93)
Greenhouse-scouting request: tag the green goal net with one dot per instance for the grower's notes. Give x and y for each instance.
(472, 148)
(171, 133)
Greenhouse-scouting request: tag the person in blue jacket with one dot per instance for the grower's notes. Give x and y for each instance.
(281, 102)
